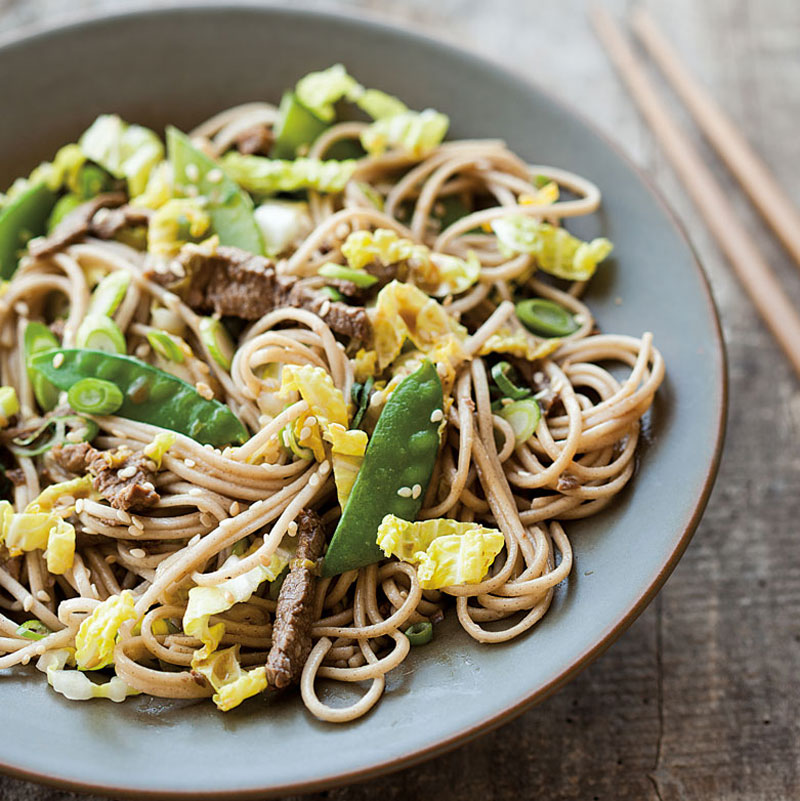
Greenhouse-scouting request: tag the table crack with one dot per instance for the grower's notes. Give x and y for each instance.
(653, 776)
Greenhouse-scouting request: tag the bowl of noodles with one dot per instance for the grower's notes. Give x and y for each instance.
(351, 388)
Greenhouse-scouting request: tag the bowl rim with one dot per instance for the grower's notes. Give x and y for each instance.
(22, 35)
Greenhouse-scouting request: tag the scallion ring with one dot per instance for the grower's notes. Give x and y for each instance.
(95, 396)
(166, 346)
(523, 416)
(216, 338)
(545, 318)
(500, 376)
(98, 332)
(420, 633)
(108, 294)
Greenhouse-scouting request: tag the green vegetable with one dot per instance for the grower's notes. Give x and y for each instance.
(63, 207)
(95, 396)
(380, 105)
(150, 395)
(98, 332)
(264, 176)
(420, 633)
(24, 217)
(166, 346)
(9, 404)
(290, 443)
(360, 278)
(395, 472)
(523, 417)
(215, 337)
(275, 586)
(332, 293)
(297, 127)
(92, 181)
(126, 151)
(508, 389)
(415, 132)
(53, 432)
(108, 294)
(230, 208)
(33, 630)
(39, 337)
(360, 394)
(545, 318)
(318, 91)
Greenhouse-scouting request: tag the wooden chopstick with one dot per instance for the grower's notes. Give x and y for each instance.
(752, 173)
(752, 269)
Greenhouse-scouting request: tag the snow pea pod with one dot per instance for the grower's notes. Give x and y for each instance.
(395, 473)
(25, 216)
(297, 127)
(149, 395)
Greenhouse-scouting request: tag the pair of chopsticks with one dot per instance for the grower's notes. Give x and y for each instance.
(755, 177)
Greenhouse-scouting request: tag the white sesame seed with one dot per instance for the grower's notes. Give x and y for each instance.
(177, 269)
(291, 529)
(311, 421)
(192, 172)
(234, 509)
(123, 517)
(416, 491)
(325, 468)
(189, 462)
(324, 308)
(313, 481)
(206, 520)
(127, 472)
(137, 522)
(214, 176)
(79, 505)
(195, 491)
(134, 532)
(266, 466)
(58, 360)
(436, 415)
(305, 433)
(43, 596)
(229, 597)
(148, 485)
(40, 649)
(342, 231)
(138, 553)
(208, 446)
(27, 604)
(74, 436)
(404, 492)
(204, 390)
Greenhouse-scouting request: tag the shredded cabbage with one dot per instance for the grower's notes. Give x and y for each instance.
(60, 551)
(318, 91)
(365, 364)
(282, 222)
(263, 176)
(46, 500)
(175, 223)
(157, 449)
(97, 635)
(380, 105)
(207, 601)
(347, 454)
(160, 187)
(415, 132)
(520, 344)
(231, 684)
(403, 311)
(126, 151)
(447, 553)
(556, 250)
(9, 405)
(77, 686)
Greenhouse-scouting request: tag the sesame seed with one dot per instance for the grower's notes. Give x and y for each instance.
(195, 491)
(192, 172)
(189, 462)
(214, 176)
(43, 596)
(21, 308)
(177, 269)
(416, 491)
(123, 517)
(324, 308)
(234, 509)
(305, 433)
(229, 597)
(27, 604)
(74, 436)
(256, 504)
(134, 532)
(265, 466)
(137, 522)
(138, 553)
(58, 360)
(204, 390)
(79, 505)
(148, 485)
(436, 415)
(313, 481)
(127, 472)
(311, 421)
(325, 468)
(404, 492)
(40, 649)
(208, 446)
(291, 529)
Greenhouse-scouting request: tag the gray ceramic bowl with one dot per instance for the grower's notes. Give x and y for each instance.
(180, 66)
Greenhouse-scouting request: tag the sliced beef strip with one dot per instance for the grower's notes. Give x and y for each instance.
(255, 141)
(75, 226)
(233, 282)
(124, 478)
(291, 632)
(107, 223)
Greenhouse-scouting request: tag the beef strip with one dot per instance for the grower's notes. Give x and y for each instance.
(291, 632)
(135, 490)
(233, 282)
(107, 223)
(255, 141)
(75, 226)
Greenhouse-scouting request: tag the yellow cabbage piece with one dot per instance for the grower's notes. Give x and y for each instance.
(415, 132)
(520, 344)
(403, 311)
(77, 686)
(316, 388)
(97, 635)
(9, 404)
(28, 532)
(207, 601)
(175, 223)
(380, 105)
(557, 251)
(231, 684)
(365, 364)
(60, 551)
(318, 91)
(447, 553)
(47, 498)
(157, 449)
(263, 176)
(159, 187)
(347, 454)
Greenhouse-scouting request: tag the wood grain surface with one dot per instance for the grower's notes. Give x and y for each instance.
(700, 699)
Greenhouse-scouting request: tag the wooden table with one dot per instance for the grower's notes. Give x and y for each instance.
(699, 700)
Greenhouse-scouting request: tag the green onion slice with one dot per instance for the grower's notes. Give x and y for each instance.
(165, 345)
(500, 376)
(216, 338)
(523, 417)
(33, 630)
(360, 394)
(332, 292)
(39, 337)
(420, 633)
(53, 432)
(291, 443)
(98, 332)
(95, 396)
(359, 277)
(108, 294)
(545, 318)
